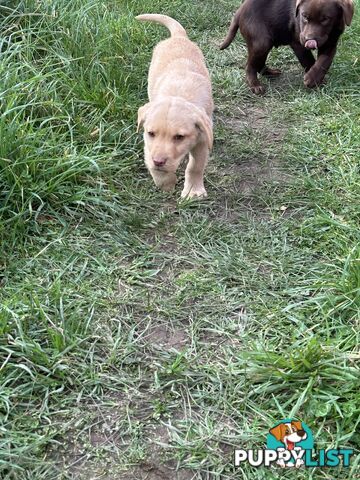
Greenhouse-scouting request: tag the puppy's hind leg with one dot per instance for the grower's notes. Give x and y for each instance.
(258, 52)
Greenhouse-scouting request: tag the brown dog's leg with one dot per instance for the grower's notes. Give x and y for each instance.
(194, 173)
(305, 57)
(255, 64)
(315, 76)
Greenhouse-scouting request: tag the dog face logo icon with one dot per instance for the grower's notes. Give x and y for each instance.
(289, 435)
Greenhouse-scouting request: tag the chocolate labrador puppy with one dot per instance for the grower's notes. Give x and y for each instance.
(305, 25)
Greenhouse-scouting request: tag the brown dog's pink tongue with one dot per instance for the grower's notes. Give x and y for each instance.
(311, 44)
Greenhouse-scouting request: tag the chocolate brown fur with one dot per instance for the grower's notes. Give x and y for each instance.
(265, 24)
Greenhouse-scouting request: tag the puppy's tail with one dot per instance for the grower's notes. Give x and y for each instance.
(234, 27)
(175, 28)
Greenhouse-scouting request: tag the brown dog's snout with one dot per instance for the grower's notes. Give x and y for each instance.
(301, 433)
(159, 161)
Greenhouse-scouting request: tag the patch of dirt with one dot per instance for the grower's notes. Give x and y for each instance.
(151, 472)
(253, 173)
(246, 170)
(103, 460)
(93, 441)
(232, 331)
(153, 468)
(240, 185)
(98, 446)
(163, 337)
(254, 118)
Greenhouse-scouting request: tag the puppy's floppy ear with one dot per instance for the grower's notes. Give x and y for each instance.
(204, 124)
(278, 432)
(142, 115)
(348, 10)
(297, 425)
(298, 3)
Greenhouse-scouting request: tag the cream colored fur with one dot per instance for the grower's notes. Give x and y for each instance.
(177, 120)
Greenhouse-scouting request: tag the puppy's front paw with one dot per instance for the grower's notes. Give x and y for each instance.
(309, 80)
(193, 192)
(312, 80)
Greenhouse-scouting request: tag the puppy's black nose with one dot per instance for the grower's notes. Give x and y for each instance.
(159, 161)
(301, 433)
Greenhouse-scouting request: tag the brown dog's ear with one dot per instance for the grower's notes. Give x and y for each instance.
(297, 425)
(298, 3)
(278, 432)
(204, 124)
(348, 9)
(142, 115)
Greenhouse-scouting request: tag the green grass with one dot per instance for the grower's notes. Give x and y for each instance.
(141, 334)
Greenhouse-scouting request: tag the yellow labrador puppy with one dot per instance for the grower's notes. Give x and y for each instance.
(177, 120)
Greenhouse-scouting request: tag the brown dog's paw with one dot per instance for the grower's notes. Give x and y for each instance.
(258, 89)
(312, 81)
(309, 81)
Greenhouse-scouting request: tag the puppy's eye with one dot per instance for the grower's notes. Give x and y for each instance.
(305, 17)
(151, 134)
(179, 138)
(324, 20)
